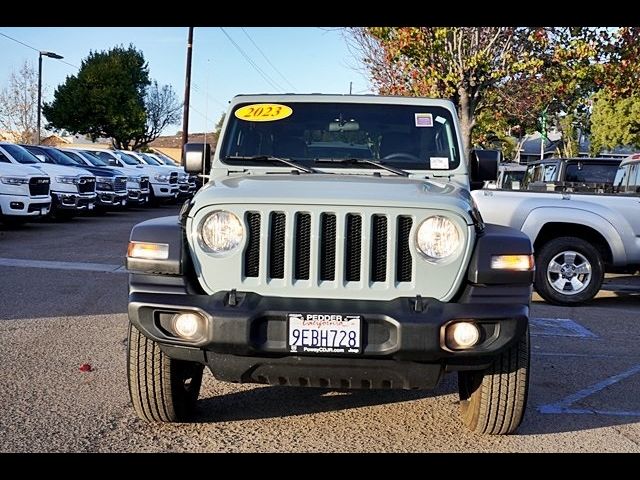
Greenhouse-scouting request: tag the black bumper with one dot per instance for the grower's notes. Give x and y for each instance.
(403, 340)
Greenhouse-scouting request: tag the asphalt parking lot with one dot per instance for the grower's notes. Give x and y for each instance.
(63, 304)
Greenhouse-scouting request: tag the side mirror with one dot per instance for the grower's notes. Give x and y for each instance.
(483, 165)
(197, 157)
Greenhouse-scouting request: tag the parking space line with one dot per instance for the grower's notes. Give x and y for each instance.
(559, 327)
(90, 267)
(565, 405)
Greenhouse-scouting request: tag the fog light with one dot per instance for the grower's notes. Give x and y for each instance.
(190, 326)
(462, 335)
(17, 205)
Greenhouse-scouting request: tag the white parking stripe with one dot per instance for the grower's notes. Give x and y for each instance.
(88, 267)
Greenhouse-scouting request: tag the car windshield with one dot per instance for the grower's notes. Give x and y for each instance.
(74, 156)
(404, 136)
(94, 159)
(60, 158)
(149, 160)
(166, 160)
(128, 159)
(21, 154)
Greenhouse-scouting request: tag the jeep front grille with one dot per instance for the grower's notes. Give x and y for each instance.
(361, 252)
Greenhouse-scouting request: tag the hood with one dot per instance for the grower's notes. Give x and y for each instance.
(58, 170)
(12, 169)
(327, 189)
(102, 171)
(157, 170)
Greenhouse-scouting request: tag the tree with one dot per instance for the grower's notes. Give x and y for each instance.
(162, 109)
(480, 68)
(615, 121)
(19, 104)
(105, 99)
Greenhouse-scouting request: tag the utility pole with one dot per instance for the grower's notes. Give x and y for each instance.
(350, 87)
(187, 91)
(40, 55)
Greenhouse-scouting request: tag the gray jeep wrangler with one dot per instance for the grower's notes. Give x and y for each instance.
(335, 245)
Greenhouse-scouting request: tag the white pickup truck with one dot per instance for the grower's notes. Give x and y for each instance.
(577, 235)
(24, 192)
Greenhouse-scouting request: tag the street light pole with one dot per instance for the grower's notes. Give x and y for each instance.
(50, 55)
(187, 93)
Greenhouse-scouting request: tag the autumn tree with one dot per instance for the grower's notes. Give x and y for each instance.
(486, 69)
(19, 104)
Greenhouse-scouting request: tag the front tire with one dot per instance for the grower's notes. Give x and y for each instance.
(493, 401)
(569, 271)
(162, 389)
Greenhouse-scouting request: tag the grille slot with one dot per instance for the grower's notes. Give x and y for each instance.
(173, 178)
(276, 246)
(403, 253)
(88, 185)
(39, 186)
(353, 249)
(379, 249)
(252, 254)
(328, 247)
(303, 246)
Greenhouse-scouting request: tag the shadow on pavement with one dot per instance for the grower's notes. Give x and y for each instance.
(275, 402)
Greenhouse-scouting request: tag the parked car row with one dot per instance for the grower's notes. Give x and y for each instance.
(37, 180)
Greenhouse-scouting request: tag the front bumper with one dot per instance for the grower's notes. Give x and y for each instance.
(24, 206)
(137, 196)
(111, 199)
(165, 190)
(74, 201)
(402, 347)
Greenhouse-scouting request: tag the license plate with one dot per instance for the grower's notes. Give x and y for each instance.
(124, 202)
(91, 205)
(324, 333)
(44, 211)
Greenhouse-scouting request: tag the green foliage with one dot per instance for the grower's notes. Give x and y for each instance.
(615, 121)
(105, 99)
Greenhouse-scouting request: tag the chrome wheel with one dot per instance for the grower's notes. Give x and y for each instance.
(569, 272)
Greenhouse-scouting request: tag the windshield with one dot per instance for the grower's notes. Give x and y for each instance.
(166, 160)
(404, 136)
(74, 156)
(94, 159)
(21, 154)
(149, 160)
(58, 157)
(128, 159)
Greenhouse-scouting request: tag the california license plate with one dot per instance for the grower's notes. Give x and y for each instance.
(324, 333)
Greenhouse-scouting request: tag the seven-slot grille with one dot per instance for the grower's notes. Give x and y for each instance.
(39, 186)
(339, 257)
(120, 184)
(173, 178)
(87, 185)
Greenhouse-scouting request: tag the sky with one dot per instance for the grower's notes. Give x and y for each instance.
(293, 59)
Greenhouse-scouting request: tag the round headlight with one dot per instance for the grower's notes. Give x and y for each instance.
(437, 238)
(220, 232)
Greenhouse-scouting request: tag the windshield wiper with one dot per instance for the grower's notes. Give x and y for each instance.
(363, 161)
(286, 161)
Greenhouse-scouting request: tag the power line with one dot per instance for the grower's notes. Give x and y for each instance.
(267, 59)
(202, 92)
(267, 78)
(36, 49)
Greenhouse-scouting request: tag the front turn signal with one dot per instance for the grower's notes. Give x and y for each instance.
(149, 251)
(518, 263)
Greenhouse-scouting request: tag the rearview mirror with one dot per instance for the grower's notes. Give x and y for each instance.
(197, 157)
(483, 167)
(350, 126)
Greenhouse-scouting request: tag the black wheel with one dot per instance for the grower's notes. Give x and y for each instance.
(569, 271)
(162, 389)
(493, 401)
(152, 201)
